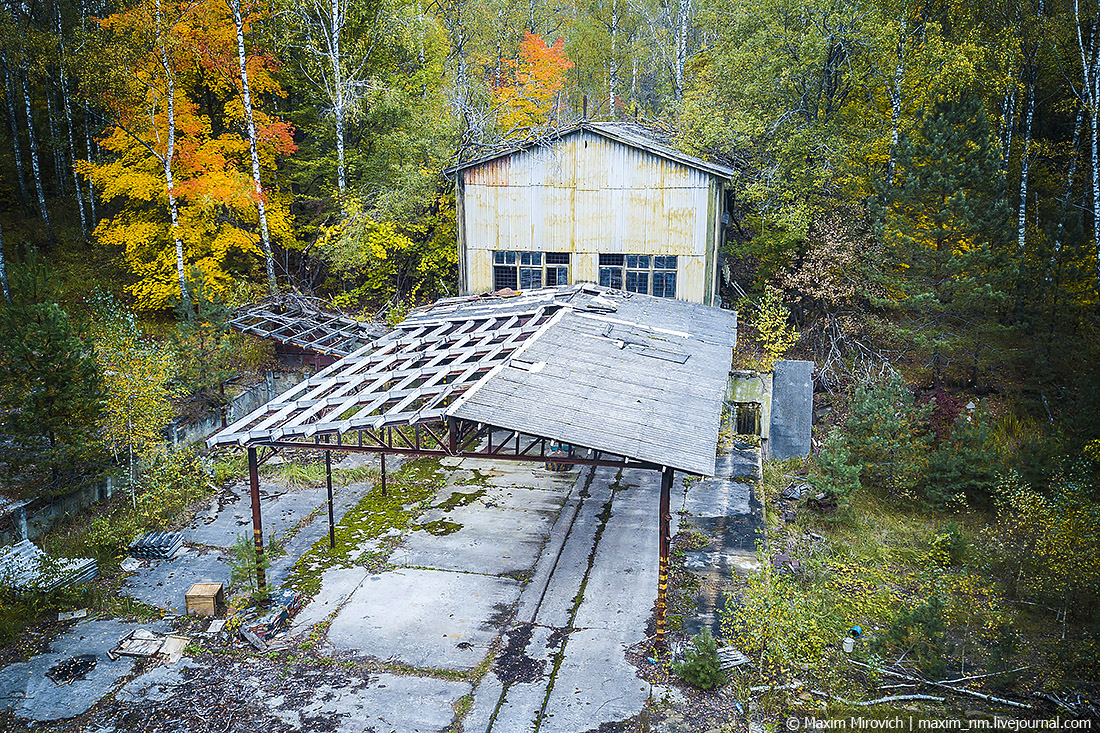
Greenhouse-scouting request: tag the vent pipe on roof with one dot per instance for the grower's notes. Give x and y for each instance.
(584, 107)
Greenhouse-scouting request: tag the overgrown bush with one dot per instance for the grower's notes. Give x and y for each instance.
(1048, 544)
(962, 470)
(700, 666)
(834, 473)
(918, 634)
(779, 623)
(242, 569)
(888, 437)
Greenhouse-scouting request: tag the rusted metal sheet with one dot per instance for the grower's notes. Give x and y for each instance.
(586, 194)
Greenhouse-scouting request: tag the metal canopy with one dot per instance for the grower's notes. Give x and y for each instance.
(619, 374)
(305, 323)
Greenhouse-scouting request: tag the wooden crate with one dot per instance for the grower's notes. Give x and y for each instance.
(204, 598)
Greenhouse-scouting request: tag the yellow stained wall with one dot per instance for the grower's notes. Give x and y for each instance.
(586, 195)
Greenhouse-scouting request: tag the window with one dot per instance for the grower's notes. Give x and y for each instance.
(647, 274)
(530, 270)
(743, 417)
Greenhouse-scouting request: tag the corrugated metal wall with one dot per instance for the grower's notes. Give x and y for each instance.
(587, 195)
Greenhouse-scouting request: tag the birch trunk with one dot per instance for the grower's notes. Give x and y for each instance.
(69, 127)
(57, 154)
(1090, 61)
(91, 188)
(1021, 219)
(4, 272)
(1070, 175)
(35, 170)
(1009, 108)
(613, 60)
(895, 103)
(246, 97)
(15, 133)
(170, 186)
(681, 46)
(334, 32)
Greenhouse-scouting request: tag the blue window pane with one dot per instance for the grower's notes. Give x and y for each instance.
(611, 277)
(637, 262)
(557, 258)
(637, 282)
(664, 284)
(530, 258)
(498, 258)
(529, 277)
(557, 276)
(667, 262)
(611, 260)
(504, 277)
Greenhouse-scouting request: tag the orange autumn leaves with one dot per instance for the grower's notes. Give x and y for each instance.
(188, 50)
(527, 87)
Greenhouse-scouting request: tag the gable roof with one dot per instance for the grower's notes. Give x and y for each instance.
(625, 133)
(618, 373)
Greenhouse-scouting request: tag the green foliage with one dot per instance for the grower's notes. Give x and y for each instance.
(835, 473)
(51, 395)
(392, 261)
(700, 666)
(887, 437)
(948, 546)
(918, 633)
(1050, 542)
(171, 483)
(137, 373)
(778, 623)
(963, 468)
(242, 569)
(773, 331)
(207, 352)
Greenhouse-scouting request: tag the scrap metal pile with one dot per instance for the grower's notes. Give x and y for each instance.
(26, 568)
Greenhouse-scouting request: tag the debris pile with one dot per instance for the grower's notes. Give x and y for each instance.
(284, 604)
(143, 643)
(156, 545)
(24, 567)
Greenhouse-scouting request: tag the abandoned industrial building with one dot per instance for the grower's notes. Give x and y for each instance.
(600, 202)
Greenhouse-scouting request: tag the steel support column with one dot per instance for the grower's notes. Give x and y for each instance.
(257, 522)
(383, 460)
(331, 516)
(665, 540)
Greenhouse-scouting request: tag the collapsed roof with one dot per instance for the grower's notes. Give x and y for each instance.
(600, 369)
(306, 323)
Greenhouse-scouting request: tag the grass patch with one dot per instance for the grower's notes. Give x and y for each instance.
(440, 527)
(300, 475)
(409, 492)
(458, 499)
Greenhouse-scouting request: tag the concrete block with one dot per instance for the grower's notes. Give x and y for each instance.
(792, 410)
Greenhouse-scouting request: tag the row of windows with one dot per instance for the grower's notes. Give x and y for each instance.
(647, 274)
(528, 270)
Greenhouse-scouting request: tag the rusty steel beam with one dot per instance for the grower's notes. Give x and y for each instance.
(331, 516)
(665, 541)
(257, 521)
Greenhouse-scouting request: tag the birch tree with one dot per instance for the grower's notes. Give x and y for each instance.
(1086, 26)
(246, 99)
(14, 120)
(338, 66)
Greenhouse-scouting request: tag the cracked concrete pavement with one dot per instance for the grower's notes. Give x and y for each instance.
(553, 573)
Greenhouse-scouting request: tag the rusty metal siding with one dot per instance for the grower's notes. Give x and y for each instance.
(586, 195)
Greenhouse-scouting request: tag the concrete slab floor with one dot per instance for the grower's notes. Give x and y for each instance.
(29, 693)
(425, 618)
(386, 703)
